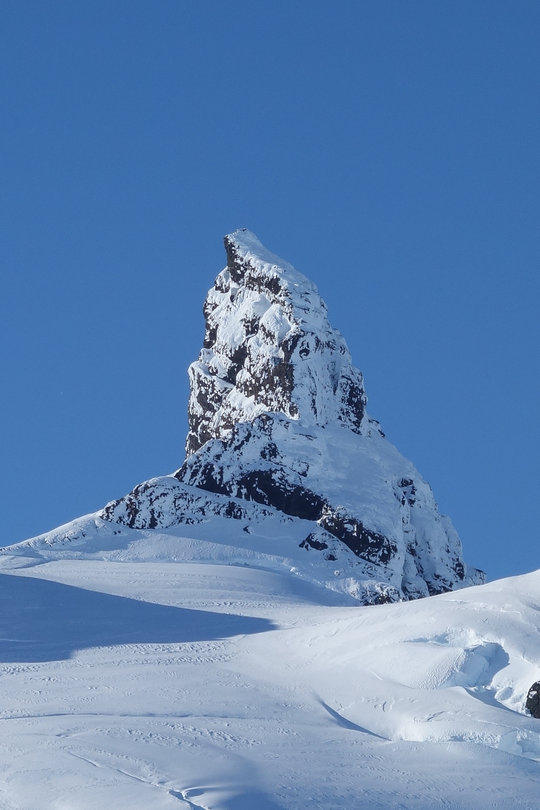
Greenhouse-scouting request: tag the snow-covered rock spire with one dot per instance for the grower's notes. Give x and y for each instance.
(268, 347)
(278, 427)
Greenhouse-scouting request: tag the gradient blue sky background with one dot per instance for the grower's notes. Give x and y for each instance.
(390, 150)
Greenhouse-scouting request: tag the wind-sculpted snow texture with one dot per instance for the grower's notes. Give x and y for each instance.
(275, 405)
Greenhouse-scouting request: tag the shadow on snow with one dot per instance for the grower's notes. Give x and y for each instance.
(42, 620)
(245, 800)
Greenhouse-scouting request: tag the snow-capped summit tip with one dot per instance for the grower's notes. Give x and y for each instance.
(244, 248)
(243, 242)
(243, 237)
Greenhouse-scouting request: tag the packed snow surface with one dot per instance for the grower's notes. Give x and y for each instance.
(148, 669)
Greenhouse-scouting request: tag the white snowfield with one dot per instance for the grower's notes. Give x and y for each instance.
(149, 669)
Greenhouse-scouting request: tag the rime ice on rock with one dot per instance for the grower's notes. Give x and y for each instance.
(277, 416)
(268, 347)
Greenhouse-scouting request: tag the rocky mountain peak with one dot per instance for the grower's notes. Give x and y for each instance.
(279, 436)
(268, 347)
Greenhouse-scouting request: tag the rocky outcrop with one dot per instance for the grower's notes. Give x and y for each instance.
(165, 502)
(277, 417)
(532, 703)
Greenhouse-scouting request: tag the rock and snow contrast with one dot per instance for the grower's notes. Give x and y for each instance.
(248, 633)
(277, 417)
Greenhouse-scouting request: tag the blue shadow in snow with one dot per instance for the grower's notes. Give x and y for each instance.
(47, 621)
(344, 723)
(245, 800)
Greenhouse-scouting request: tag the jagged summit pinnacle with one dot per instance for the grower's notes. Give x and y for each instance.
(244, 248)
(268, 347)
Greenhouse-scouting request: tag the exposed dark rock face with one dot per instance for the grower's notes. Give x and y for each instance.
(533, 700)
(164, 502)
(364, 543)
(277, 417)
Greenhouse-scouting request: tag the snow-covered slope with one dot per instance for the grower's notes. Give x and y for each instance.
(145, 685)
(277, 416)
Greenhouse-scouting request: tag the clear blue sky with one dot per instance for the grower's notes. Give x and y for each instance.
(390, 150)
